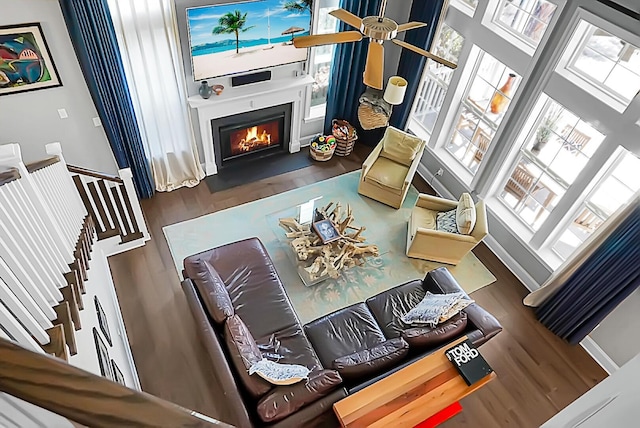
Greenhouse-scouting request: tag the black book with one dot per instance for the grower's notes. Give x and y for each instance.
(467, 359)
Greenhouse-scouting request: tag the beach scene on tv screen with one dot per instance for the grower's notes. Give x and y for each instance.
(236, 37)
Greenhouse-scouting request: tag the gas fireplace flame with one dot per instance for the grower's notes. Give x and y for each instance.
(253, 140)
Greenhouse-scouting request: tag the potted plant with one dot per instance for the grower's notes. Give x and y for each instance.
(548, 125)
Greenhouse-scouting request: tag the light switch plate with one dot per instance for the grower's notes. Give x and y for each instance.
(96, 122)
(62, 113)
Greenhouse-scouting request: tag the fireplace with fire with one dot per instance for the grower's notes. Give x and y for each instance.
(251, 135)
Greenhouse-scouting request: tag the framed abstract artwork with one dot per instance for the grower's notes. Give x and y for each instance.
(104, 361)
(102, 320)
(25, 61)
(117, 373)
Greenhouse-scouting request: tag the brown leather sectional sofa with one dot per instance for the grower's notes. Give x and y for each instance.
(244, 314)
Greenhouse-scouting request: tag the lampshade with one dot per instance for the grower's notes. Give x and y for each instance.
(394, 94)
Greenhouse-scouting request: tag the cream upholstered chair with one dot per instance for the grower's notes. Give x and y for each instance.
(427, 243)
(387, 172)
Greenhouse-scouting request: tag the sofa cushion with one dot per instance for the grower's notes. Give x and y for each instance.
(250, 276)
(285, 400)
(244, 353)
(427, 337)
(389, 306)
(278, 373)
(211, 288)
(388, 174)
(344, 332)
(431, 309)
(400, 146)
(422, 218)
(371, 360)
(466, 214)
(289, 346)
(446, 222)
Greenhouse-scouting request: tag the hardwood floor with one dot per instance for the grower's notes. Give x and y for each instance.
(537, 373)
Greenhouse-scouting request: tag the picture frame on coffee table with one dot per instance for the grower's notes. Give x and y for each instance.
(326, 231)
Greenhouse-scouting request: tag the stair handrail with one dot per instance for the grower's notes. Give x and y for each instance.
(93, 173)
(85, 398)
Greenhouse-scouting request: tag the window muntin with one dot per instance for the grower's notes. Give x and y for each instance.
(526, 19)
(323, 55)
(616, 189)
(607, 61)
(486, 101)
(556, 150)
(437, 78)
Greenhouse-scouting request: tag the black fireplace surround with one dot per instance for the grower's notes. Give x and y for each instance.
(225, 127)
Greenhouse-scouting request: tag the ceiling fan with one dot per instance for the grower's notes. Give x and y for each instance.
(377, 29)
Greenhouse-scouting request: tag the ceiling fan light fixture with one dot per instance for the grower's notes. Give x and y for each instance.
(396, 88)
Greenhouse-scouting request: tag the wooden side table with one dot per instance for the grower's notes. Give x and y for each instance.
(408, 396)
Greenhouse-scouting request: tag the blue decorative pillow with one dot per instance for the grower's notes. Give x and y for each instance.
(432, 308)
(279, 374)
(446, 221)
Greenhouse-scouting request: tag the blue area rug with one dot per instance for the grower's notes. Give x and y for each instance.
(386, 227)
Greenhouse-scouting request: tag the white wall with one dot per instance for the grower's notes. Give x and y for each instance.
(31, 118)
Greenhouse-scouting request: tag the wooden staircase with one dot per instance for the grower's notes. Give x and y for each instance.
(58, 224)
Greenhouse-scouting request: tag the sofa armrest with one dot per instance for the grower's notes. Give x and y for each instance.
(368, 162)
(441, 281)
(435, 203)
(223, 373)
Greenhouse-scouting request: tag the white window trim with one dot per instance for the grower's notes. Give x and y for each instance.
(564, 67)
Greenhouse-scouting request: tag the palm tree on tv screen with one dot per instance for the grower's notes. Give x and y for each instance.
(232, 23)
(298, 6)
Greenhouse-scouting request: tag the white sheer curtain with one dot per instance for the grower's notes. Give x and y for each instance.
(147, 36)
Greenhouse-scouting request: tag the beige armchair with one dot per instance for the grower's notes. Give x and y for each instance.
(387, 172)
(427, 243)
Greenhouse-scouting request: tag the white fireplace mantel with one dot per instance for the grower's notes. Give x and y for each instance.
(248, 98)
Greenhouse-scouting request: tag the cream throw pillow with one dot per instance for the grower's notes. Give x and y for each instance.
(466, 214)
(400, 147)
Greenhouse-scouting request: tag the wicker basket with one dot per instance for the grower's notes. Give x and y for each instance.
(344, 140)
(321, 148)
(320, 155)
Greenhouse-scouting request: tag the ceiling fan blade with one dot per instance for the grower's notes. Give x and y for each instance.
(374, 68)
(411, 26)
(326, 39)
(425, 53)
(347, 17)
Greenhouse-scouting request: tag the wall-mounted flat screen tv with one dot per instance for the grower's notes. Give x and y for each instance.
(237, 37)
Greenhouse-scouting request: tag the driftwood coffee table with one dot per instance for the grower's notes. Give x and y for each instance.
(318, 257)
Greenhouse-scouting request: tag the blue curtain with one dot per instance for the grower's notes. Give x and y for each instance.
(412, 64)
(94, 39)
(605, 279)
(345, 86)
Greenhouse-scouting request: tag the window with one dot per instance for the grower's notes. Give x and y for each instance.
(527, 19)
(322, 55)
(556, 150)
(616, 189)
(483, 107)
(608, 61)
(466, 6)
(436, 78)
